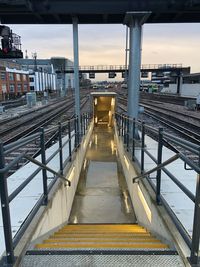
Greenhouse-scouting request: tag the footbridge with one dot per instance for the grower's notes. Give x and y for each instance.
(101, 196)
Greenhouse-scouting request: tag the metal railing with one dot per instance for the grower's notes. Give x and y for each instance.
(72, 130)
(133, 134)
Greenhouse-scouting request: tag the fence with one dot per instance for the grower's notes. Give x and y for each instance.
(133, 133)
(73, 142)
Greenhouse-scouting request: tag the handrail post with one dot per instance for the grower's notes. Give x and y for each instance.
(6, 211)
(127, 135)
(84, 124)
(44, 171)
(119, 124)
(142, 147)
(81, 126)
(70, 144)
(196, 228)
(133, 141)
(159, 161)
(60, 147)
(122, 125)
(124, 130)
(75, 133)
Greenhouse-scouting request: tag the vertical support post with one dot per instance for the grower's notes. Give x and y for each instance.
(70, 141)
(179, 83)
(126, 57)
(60, 147)
(133, 141)
(134, 66)
(78, 128)
(76, 70)
(159, 160)
(44, 171)
(122, 125)
(142, 147)
(125, 122)
(196, 229)
(84, 124)
(75, 133)
(5, 211)
(127, 135)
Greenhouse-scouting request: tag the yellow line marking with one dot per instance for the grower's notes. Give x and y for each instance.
(86, 240)
(149, 246)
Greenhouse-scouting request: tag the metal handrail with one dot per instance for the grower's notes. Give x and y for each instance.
(4, 150)
(122, 122)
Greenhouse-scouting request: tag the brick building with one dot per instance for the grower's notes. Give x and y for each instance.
(13, 82)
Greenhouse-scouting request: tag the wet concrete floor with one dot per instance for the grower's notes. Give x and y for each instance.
(102, 195)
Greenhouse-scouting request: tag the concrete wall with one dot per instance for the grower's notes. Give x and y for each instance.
(148, 214)
(58, 210)
(144, 206)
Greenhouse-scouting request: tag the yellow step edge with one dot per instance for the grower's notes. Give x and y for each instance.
(100, 235)
(102, 226)
(57, 246)
(130, 240)
(102, 231)
(106, 227)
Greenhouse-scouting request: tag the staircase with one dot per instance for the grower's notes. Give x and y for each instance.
(102, 245)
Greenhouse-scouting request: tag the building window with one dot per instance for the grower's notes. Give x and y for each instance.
(19, 88)
(24, 77)
(25, 87)
(18, 77)
(4, 90)
(12, 88)
(11, 76)
(31, 79)
(3, 76)
(32, 88)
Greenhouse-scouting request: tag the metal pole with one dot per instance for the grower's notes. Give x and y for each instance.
(127, 135)
(134, 67)
(133, 142)
(126, 57)
(196, 228)
(44, 171)
(76, 70)
(60, 147)
(159, 160)
(142, 147)
(70, 141)
(5, 211)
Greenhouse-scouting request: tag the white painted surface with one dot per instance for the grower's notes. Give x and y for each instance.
(182, 206)
(21, 206)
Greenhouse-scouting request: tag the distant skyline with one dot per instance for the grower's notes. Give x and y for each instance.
(105, 44)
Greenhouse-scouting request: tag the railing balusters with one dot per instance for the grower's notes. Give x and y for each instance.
(142, 147)
(60, 147)
(70, 141)
(6, 211)
(44, 171)
(159, 160)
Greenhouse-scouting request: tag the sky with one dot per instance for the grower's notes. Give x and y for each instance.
(105, 44)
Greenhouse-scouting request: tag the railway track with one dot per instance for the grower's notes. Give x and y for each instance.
(171, 124)
(48, 121)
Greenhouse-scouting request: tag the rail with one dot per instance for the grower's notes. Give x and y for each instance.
(133, 134)
(73, 141)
